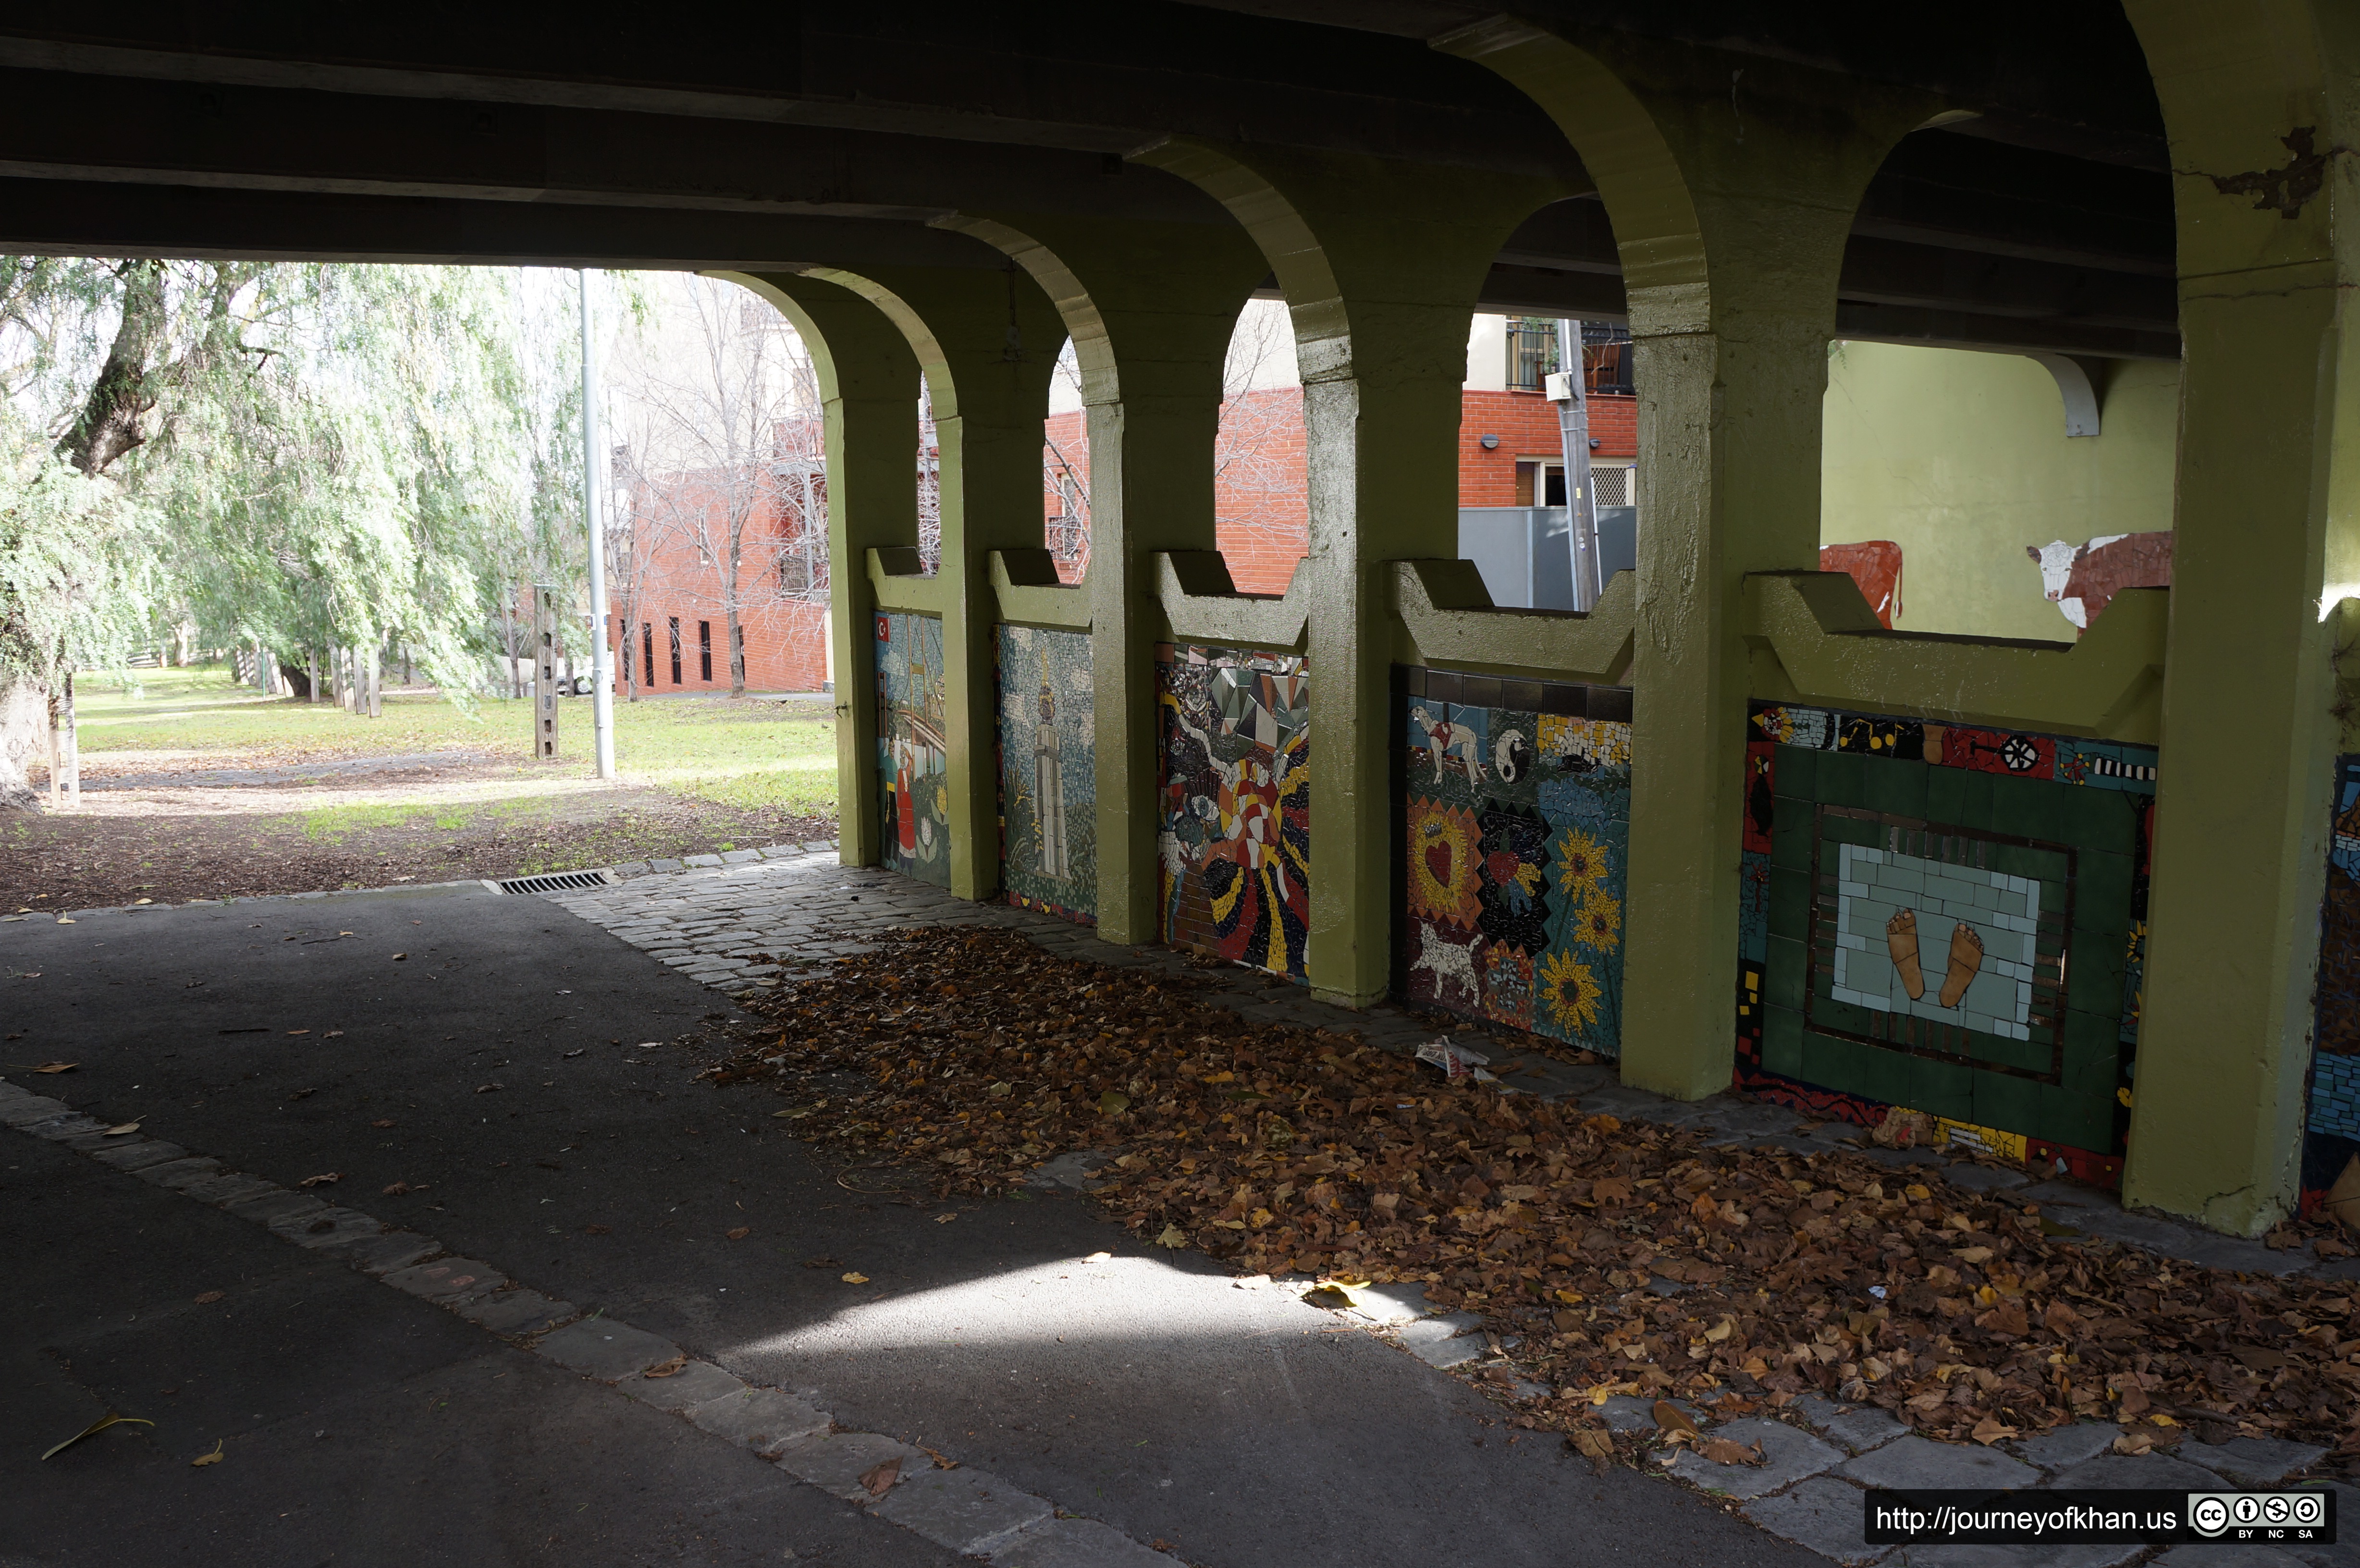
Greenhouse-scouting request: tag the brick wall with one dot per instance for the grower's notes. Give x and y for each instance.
(786, 638)
(1525, 423)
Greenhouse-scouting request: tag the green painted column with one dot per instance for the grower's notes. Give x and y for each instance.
(2254, 94)
(1382, 264)
(988, 341)
(1731, 183)
(868, 390)
(1151, 306)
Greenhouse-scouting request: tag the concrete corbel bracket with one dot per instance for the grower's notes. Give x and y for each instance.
(1822, 645)
(901, 582)
(1450, 615)
(1029, 590)
(1202, 603)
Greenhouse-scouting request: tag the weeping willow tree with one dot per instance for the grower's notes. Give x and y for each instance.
(283, 457)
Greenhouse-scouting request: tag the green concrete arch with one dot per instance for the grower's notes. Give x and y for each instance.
(1641, 182)
(2259, 104)
(869, 395)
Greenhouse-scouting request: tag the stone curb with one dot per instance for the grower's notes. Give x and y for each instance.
(969, 1512)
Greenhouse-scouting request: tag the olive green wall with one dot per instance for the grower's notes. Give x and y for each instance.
(1961, 459)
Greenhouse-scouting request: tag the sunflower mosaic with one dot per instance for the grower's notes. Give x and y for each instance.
(1517, 820)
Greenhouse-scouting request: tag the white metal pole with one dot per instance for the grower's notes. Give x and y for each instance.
(602, 663)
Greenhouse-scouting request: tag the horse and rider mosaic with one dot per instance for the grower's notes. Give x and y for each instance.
(1517, 818)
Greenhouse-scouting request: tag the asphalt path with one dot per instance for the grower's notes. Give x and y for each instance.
(358, 1424)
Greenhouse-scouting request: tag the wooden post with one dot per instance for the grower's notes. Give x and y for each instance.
(544, 676)
(69, 746)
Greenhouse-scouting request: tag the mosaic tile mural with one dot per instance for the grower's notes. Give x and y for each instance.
(1234, 820)
(2333, 1123)
(1048, 773)
(911, 757)
(1516, 822)
(1942, 929)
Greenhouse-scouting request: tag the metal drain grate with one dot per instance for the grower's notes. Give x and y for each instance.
(554, 882)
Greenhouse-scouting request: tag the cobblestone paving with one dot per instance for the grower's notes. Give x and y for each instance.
(754, 918)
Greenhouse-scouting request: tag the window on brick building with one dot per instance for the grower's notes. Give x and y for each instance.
(648, 642)
(675, 650)
(623, 631)
(704, 650)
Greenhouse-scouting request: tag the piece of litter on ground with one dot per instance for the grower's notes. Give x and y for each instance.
(101, 1424)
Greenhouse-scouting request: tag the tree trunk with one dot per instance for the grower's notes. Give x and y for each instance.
(24, 735)
(119, 399)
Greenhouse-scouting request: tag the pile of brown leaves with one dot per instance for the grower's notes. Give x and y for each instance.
(1283, 1148)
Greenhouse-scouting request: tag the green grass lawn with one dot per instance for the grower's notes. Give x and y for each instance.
(754, 754)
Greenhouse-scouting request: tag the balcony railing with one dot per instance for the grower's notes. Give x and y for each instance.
(1533, 357)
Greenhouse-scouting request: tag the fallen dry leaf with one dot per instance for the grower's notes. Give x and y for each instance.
(1590, 1443)
(855, 1279)
(1991, 1429)
(382, 1122)
(1670, 1418)
(327, 1179)
(1722, 1451)
(739, 1234)
(208, 1298)
(1171, 1236)
(666, 1368)
(878, 1479)
(396, 1189)
(56, 1067)
(399, 956)
(123, 1128)
(332, 1034)
(214, 1458)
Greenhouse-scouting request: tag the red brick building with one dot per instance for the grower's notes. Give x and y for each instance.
(669, 594)
(671, 603)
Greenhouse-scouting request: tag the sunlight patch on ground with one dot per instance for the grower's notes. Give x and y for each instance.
(1123, 1298)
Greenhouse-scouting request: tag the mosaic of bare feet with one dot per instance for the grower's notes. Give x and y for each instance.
(1966, 963)
(1901, 940)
